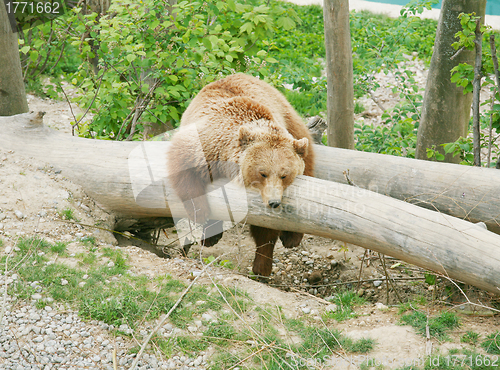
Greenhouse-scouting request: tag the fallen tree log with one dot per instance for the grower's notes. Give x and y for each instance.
(129, 178)
(470, 193)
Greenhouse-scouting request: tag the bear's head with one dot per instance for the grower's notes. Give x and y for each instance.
(271, 160)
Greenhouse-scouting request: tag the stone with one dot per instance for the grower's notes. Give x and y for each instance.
(315, 277)
(331, 308)
(19, 214)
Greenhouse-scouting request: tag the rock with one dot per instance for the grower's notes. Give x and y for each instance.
(381, 306)
(331, 308)
(19, 214)
(334, 263)
(64, 282)
(361, 292)
(1, 226)
(36, 296)
(315, 277)
(377, 283)
(306, 310)
(2, 217)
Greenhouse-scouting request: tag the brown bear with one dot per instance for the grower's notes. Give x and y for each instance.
(243, 121)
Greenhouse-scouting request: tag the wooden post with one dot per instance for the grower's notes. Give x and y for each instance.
(340, 93)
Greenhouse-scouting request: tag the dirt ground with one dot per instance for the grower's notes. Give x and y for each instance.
(32, 193)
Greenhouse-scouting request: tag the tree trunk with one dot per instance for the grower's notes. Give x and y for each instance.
(129, 177)
(446, 110)
(12, 93)
(340, 93)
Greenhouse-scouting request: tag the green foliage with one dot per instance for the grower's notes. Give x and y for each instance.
(438, 325)
(345, 302)
(492, 343)
(225, 263)
(153, 60)
(463, 75)
(398, 139)
(223, 333)
(45, 50)
(59, 248)
(68, 214)
(462, 147)
(470, 337)
(358, 107)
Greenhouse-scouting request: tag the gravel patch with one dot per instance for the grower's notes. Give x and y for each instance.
(51, 338)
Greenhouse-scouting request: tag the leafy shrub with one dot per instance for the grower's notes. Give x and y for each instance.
(153, 60)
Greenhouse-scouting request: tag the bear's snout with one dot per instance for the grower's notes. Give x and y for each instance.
(274, 203)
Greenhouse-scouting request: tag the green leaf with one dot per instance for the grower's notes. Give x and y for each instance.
(449, 148)
(207, 43)
(34, 56)
(131, 58)
(286, 23)
(25, 49)
(271, 60)
(247, 27)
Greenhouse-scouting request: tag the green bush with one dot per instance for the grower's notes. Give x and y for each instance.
(153, 60)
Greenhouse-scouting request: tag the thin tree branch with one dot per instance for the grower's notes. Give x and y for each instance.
(477, 95)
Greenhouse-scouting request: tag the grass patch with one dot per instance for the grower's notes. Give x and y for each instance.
(470, 337)
(438, 325)
(68, 214)
(492, 344)
(100, 293)
(319, 343)
(89, 241)
(221, 333)
(345, 302)
(87, 258)
(59, 248)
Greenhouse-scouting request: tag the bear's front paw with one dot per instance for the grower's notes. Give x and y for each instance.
(212, 233)
(290, 239)
(197, 209)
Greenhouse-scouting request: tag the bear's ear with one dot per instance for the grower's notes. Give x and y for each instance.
(246, 136)
(301, 146)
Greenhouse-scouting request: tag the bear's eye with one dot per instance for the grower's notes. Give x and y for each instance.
(283, 177)
(263, 175)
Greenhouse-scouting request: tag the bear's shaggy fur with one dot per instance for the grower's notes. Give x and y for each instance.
(243, 121)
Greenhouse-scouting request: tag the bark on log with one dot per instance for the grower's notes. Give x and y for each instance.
(470, 193)
(114, 174)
